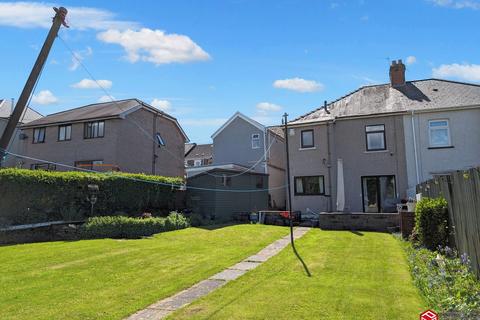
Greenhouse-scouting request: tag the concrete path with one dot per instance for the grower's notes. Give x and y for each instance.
(163, 308)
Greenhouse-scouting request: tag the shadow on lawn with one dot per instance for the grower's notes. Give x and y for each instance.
(307, 271)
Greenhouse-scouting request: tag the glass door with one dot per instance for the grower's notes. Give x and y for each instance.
(379, 194)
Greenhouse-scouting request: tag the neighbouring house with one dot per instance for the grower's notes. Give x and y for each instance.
(125, 135)
(220, 192)
(198, 154)
(245, 142)
(29, 115)
(363, 152)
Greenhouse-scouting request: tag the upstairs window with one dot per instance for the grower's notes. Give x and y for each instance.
(439, 133)
(375, 136)
(65, 132)
(190, 163)
(255, 141)
(197, 163)
(39, 135)
(160, 141)
(307, 139)
(94, 129)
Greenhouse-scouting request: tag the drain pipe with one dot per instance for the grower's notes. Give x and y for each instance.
(415, 148)
(329, 167)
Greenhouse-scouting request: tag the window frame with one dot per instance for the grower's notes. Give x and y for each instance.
(40, 166)
(86, 162)
(44, 129)
(160, 140)
(64, 126)
(302, 144)
(376, 131)
(449, 145)
(257, 139)
(321, 186)
(97, 122)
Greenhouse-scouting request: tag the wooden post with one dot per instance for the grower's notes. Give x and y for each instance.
(58, 20)
(285, 122)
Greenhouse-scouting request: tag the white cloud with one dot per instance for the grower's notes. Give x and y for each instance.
(91, 84)
(267, 107)
(105, 98)
(155, 46)
(163, 105)
(468, 72)
(78, 57)
(44, 97)
(208, 122)
(39, 15)
(268, 120)
(457, 4)
(411, 60)
(298, 84)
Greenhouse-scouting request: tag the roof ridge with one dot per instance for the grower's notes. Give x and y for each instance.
(89, 105)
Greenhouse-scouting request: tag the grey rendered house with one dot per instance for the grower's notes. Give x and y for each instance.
(29, 115)
(125, 135)
(245, 142)
(361, 154)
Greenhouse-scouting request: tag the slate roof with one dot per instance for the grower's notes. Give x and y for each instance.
(28, 115)
(189, 147)
(416, 95)
(204, 151)
(278, 130)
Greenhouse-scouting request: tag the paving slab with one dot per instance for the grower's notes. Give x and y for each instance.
(163, 308)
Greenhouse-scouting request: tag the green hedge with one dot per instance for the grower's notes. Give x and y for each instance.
(431, 222)
(121, 227)
(31, 196)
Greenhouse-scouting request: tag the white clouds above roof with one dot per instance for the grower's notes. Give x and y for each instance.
(91, 84)
(299, 85)
(468, 72)
(155, 46)
(44, 97)
(411, 60)
(457, 4)
(163, 105)
(267, 107)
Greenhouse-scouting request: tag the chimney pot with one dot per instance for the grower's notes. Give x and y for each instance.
(397, 73)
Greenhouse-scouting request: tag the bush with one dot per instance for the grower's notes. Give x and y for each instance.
(431, 222)
(31, 196)
(446, 281)
(120, 227)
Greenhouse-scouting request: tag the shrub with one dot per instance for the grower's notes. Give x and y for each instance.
(31, 196)
(131, 228)
(446, 281)
(431, 222)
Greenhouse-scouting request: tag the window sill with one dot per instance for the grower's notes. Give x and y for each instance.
(309, 148)
(377, 151)
(310, 195)
(445, 147)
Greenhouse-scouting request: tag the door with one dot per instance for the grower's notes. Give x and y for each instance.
(379, 194)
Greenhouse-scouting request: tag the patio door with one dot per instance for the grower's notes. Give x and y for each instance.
(379, 194)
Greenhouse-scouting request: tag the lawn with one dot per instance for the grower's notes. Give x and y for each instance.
(353, 276)
(110, 279)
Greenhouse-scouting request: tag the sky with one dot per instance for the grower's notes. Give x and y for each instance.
(201, 61)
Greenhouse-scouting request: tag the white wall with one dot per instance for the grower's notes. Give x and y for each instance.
(465, 138)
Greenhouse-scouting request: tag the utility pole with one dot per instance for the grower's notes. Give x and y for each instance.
(285, 123)
(58, 20)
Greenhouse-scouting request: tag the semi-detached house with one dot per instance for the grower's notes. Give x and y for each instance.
(367, 150)
(125, 135)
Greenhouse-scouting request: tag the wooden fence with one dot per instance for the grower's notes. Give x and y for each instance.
(461, 189)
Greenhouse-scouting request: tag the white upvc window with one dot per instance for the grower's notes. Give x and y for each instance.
(197, 163)
(255, 141)
(439, 133)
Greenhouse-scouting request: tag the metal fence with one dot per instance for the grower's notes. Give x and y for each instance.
(461, 189)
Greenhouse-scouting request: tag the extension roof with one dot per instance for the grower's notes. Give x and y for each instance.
(28, 115)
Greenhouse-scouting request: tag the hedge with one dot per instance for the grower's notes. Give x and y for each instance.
(121, 227)
(31, 196)
(431, 222)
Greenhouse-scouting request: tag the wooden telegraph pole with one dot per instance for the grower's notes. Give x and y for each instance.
(58, 20)
(285, 123)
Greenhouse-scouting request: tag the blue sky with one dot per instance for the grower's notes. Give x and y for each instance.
(203, 60)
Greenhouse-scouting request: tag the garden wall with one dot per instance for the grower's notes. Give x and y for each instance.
(33, 196)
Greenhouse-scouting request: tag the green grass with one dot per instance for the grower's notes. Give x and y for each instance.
(354, 276)
(110, 279)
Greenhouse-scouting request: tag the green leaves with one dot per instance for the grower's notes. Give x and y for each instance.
(431, 222)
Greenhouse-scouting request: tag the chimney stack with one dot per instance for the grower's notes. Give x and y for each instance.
(397, 73)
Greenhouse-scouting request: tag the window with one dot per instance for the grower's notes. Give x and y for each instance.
(226, 181)
(160, 140)
(197, 163)
(309, 185)
(255, 141)
(190, 163)
(375, 136)
(65, 132)
(43, 166)
(94, 129)
(439, 133)
(307, 139)
(89, 164)
(39, 135)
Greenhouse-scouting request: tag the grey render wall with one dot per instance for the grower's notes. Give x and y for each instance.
(465, 138)
(224, 205)
(347, 142)
(276, 170)
(234, 145)
(16, 146)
